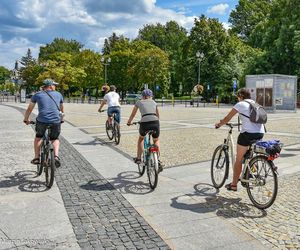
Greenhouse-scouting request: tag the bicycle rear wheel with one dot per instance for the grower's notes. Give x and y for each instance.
(109, 131)
(152, 170)
(262, 185)
(117, 134)
(219, 166)
(50, 168)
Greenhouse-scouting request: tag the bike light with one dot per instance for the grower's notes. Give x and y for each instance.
(153, 149)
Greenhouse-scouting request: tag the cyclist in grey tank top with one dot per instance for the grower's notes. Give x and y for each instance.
(149, 121)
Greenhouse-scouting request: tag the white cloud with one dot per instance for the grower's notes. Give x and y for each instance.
(14, 49)
(218, 9)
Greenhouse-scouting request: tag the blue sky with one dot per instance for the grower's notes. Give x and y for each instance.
(34, 23)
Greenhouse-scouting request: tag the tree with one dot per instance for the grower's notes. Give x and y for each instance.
(151, 66)
(59, 45)
(171, 38)
(109, 44)
(61, 68)
(209, 37)
(4, 74)
(247, 16)
(89, 61)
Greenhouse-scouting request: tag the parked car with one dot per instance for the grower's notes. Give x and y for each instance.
(132, 98)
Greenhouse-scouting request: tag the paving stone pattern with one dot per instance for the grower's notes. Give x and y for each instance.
(101, 217)
(277, 226)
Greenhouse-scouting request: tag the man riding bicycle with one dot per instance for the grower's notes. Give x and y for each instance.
(50, 109)
(112, 99)
(149, 121)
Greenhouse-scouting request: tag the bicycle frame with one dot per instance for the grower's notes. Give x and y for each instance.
(230, 144)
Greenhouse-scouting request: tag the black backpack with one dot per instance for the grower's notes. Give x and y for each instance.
(257, 113)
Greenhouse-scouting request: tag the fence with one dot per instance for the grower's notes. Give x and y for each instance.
(93, 100)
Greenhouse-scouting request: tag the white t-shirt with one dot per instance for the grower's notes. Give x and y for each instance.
(247, 126)
(112, 99)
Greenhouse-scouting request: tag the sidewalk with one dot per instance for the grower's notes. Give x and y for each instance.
(184, 212)
(31, 216)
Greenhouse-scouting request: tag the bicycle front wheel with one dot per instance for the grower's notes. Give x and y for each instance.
(50, 169)
(109, 131)
(262, 182)
(141, 166)
(219, 166)
(39, 167)
(152, 170)
(117, 134)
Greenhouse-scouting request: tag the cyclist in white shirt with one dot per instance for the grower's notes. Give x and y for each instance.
(112, 99)
(250, 131)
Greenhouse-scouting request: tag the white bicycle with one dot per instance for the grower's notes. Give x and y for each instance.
(259, 174)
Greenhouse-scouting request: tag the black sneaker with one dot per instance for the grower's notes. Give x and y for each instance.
(160, 166)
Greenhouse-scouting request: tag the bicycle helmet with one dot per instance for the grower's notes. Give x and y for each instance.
(147, 92)
(49, 82)
(112, 87)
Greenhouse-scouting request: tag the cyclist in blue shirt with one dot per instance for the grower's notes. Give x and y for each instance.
(50, 110)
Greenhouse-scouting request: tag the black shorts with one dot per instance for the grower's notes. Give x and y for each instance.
(152, 125)
(246, 139)
(41, 127)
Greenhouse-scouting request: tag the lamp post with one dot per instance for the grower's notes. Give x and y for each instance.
(105, 63)
(199, 56)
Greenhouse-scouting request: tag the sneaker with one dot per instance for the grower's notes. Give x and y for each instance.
(137, 160)
(57, 161)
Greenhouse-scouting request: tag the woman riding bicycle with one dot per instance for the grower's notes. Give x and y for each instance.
(250, 131)
(149, 121)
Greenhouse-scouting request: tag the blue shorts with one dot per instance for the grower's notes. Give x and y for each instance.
(115, 110)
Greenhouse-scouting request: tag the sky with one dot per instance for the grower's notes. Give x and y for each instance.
(33, 23)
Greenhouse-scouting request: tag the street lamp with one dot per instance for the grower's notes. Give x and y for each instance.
(105, 63)
(199, 56)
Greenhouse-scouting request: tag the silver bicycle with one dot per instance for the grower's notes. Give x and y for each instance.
(259, 174)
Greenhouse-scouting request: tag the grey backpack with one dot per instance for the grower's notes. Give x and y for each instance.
(257, 113)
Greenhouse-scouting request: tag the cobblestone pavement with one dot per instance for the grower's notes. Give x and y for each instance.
(101, 217)
(276, 227)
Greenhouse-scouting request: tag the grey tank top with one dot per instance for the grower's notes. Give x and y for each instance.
(147, 108)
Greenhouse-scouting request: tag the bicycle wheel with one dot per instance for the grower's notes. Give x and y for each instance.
(141, 166)
(219, 166)
(117, 134)
(109, 131)
(262, 185)
(50, 168)
(152, 170)
(39, 167)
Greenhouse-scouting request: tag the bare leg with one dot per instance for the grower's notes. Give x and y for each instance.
(140, 147)
(55, 144)
(240, 152)
(37, 147)
(156, 142)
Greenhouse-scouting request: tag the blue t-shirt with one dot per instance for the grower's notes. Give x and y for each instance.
(48, 111)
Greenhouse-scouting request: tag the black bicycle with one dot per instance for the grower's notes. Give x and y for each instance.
(113, 129)
(47, 160)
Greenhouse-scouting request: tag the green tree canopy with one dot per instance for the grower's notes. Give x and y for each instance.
(59, 45)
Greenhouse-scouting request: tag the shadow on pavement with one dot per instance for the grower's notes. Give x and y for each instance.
(95, 142)
(23, 179)
(227, 207)
(125, 182)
